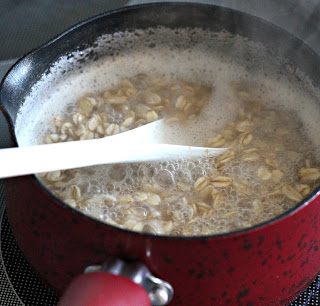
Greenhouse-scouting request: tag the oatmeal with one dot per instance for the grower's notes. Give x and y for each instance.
(259, 106)
(268, 168)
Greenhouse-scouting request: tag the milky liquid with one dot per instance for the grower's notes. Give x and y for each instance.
(194, 61)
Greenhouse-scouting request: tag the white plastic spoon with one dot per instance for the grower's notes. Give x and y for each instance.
(151, 142)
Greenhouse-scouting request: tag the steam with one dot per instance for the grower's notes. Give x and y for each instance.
(196, 55)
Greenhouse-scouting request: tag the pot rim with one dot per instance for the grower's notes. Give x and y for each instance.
(58, 201)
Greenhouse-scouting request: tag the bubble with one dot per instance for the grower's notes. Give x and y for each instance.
(151, 171)
(93, 190)
(154, 52)
(113, 215)
(109, 205)
(117, 172)
(165, 179)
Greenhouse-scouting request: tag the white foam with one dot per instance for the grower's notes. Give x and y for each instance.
(195, 55)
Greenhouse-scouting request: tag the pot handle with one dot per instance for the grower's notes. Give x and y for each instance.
(104, 289)
(117, 282)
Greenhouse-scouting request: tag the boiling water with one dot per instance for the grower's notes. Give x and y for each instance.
(117, 194)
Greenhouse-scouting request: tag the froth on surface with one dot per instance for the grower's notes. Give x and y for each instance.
(200, 57)
(192, 54)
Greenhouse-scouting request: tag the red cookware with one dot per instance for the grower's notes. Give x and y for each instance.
(268, 264)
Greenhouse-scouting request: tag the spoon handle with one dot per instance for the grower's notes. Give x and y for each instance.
(68, 155)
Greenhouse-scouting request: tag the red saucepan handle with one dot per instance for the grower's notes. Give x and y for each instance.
(104, 289)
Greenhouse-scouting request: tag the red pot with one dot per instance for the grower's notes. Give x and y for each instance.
(269, 264)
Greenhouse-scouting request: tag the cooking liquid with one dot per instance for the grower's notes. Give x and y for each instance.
(123, 195)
